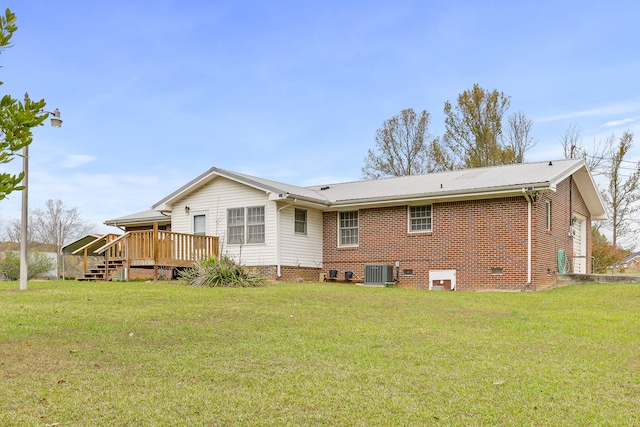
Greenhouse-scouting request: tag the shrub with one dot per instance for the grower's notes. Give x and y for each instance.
(221, 272)
(37, 261)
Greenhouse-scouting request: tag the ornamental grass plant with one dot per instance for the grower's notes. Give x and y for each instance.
(221, 272)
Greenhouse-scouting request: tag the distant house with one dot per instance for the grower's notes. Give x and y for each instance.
(505, 227)
(632, 261)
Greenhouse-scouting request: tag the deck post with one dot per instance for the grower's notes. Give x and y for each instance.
(85, 259)
(155, 251)
(106, 265)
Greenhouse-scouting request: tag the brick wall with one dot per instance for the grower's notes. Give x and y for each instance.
(147, 273)
(287, 272)
(546, 243)
(485, 241)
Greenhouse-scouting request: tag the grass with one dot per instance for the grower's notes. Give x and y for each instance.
(125, 354)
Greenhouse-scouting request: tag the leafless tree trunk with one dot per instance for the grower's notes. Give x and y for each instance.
(13, 231)
(622, 195)
(57, 225)
(519, 135)
(402, 147)
(597, 157)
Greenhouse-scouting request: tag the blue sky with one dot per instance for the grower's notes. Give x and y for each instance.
(153, 93)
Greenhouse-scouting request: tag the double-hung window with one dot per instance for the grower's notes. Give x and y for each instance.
(548, 215)
(245, 225)
(255, 224)
(300, 221)
(348, 228)
(419, 219)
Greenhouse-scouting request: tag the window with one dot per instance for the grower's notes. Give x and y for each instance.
(348, 228)
(300, 221)
(255, 224)
(548, 214)
(200, 224)
(419, 218)
(247, 222)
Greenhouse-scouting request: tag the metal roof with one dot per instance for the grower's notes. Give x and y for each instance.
(147, 216)
(492, 181)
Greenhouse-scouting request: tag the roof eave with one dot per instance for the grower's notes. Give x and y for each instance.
(509, 191)
(166, 204)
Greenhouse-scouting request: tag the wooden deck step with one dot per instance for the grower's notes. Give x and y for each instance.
(103, 272)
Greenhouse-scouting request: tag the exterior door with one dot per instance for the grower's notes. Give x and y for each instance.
(580, 245)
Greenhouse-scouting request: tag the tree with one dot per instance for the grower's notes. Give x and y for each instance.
(403, 147)
(474, 132)
(16, 118)
(38, 263)
(605, 255)
(596, 158)
(57, 225)
(13, 231)
(622, 193)
(519, 136)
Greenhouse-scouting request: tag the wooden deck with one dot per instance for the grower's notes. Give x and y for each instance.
(147, 249)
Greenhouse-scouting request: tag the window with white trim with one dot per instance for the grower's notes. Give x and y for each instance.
(348, 228)
(200, 224)
(245, 225)
(255, 224)
(548, 215)
(419, 219)
(300, 221)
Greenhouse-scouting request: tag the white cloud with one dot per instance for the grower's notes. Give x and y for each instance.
(613, 123)
(620, 108)
(76, 160)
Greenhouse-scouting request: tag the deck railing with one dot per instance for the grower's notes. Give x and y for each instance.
(167, 247)
(87, 249)
(158, 248)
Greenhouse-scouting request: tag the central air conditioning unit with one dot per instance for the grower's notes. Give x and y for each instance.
(378, 274)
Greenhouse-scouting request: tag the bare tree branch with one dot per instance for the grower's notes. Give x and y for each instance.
(519, 135)
(402, 147)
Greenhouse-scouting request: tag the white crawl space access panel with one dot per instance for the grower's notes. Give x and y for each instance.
(442, 280)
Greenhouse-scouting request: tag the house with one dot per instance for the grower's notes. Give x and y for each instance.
(511, 227)
(632, 262)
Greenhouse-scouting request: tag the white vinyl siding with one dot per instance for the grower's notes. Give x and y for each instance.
(304, 250)
(348, 228)
(420, 219)
(214, 198)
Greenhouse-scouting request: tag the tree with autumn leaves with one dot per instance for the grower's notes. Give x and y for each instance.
(476, 135)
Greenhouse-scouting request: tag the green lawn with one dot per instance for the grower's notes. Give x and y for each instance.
(127, 354)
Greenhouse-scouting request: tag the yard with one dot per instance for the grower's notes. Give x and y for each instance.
(125, 354)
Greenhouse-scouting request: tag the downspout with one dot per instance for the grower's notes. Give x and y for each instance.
(278, 266)
(528, 197)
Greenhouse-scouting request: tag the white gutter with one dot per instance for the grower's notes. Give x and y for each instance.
(278, 269)
(528, 197)
(434, 197)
